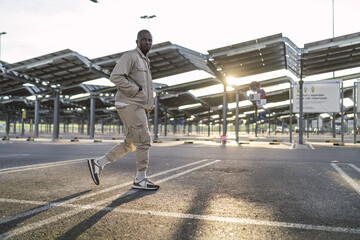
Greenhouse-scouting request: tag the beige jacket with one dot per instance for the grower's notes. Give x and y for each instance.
(132, 71)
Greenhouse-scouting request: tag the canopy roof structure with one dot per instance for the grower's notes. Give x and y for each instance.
(257, 56)
(332, 54)
(67, 72)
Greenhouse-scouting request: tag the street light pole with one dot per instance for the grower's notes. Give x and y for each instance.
(1, 33)
(333, 24)
(333, 19)
(148, 18)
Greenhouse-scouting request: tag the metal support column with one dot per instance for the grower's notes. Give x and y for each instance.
(255, 119)
(237, 117)
(342, 112)
(184, 125)
(82, 125)
(8, 124)
(301, 82)
(165, 122)
(92, 116)
(355, 96)
(209, 122)
(291, 112)
(14, 129)
(156, 118)
(88, 123)
(317, 124)
(56, 115)
(190, 128)
(333, 126)
(64, 127)
(219, 124)
(23, 114)
(174, 126)
(224, 113)
(37, 115)
(308, 125)
(102, 126)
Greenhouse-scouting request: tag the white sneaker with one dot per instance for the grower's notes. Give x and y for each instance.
(145, 184)
(95, 171)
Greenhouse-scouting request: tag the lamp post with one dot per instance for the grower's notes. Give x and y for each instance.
(148, 18)
(333, 24)
(1, 33)
(333, 19)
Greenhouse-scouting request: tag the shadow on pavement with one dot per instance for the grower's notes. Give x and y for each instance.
(127, 197)
(189, 227)
(13, 221)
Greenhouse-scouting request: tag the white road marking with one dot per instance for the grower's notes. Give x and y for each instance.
(355, 167)
(35, 225)
(13, 155)
(240, 220)
(39, 166)
(79, 208)
(347, 178)
(311, 146)
(55, 204)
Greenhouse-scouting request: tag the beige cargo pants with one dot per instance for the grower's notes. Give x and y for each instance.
(137, 136)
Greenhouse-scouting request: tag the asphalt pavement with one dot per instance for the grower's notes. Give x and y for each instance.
(262, 188)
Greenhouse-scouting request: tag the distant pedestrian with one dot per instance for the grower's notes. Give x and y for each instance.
(134, 97)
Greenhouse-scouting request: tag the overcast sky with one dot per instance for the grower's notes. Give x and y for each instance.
(38, 27)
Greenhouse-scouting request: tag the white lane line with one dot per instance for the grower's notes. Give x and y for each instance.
(310, 145)
(347, 178)
(14, 155)
(80, 208)
(238, 220)
(39, 166)
(35, 225)
(355, 167)
(54, 204)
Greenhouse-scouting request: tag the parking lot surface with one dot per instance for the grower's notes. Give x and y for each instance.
(252, 190)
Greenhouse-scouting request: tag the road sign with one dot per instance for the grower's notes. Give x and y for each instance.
(262, 93)
(254, 96)
(254, 86)
(261, 102)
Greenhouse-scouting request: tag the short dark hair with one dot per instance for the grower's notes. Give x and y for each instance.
(142, 32)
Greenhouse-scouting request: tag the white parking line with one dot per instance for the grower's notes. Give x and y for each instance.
(35, 225)
(79, 208)
(39, 166)
(310, 145)
(239, 220)
(347, 178)
(13, 155)
(355, 167)
(55, 204)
